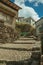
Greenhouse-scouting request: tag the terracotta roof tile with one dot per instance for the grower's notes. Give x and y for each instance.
(11, 4)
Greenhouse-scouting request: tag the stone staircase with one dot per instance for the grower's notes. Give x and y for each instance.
(16, 52)
(25, 40)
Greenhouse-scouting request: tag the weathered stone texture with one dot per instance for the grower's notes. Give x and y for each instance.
(7, 33)
(41, 59)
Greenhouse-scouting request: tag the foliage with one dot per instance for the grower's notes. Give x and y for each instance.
(24, 29)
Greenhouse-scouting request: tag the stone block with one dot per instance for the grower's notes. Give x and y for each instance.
(41, 59)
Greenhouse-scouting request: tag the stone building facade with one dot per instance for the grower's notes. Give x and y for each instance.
(30, 21)
(20, 19)
(39, 26)
(8, 14)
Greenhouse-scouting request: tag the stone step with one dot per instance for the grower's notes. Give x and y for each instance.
(24, 41)
(19, 47)
(16, 46)
(26, 38)
(9, 54)
(13, 55)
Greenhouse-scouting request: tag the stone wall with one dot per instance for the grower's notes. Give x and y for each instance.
(7, 33)
(6, 18)
(41, 60)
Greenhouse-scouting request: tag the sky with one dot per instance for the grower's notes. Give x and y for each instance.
(30, 8)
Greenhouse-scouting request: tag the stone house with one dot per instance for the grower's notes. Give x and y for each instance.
(26, 20)
(20, 19)
(8, 14)
(30, 21)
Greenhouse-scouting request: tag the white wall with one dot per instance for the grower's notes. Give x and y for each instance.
(33, 23)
